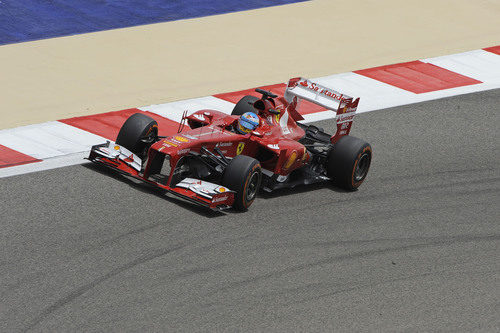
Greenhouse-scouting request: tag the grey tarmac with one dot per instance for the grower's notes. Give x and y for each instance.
(416, 248)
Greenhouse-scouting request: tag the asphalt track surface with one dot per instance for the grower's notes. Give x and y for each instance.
(416, 248)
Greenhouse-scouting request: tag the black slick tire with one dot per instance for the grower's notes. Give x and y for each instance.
(244, 105)
(243, 175)
(135, 129)
(348, 162)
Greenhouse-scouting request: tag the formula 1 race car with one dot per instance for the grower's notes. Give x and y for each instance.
(214, 165)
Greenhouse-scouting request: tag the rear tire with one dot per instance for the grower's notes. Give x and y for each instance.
(243, 175)
(135, 129)
(348, 162)
(244, 105)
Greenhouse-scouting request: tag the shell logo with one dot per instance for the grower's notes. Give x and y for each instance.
(290, 160)
(181, 139)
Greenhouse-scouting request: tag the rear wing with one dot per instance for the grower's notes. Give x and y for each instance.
(343, 105)
(314, 93)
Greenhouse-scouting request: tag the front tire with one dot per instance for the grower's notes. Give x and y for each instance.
(137, 134)
(348, 162)
(244, 105)
(243, 175)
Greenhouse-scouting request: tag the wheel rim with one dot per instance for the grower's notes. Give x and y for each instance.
(252, 187)
(362, 167)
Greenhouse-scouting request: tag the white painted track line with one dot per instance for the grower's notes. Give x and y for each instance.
(478, 64)
(48, 139)
(46, 164)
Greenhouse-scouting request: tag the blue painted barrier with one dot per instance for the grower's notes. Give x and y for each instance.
(24, 20)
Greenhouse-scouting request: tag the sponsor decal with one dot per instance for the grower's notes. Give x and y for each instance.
(343, 118)
(331, 94)
(181, 139)
(314, 87)
(170, 144)
(350, 109)
(161, 148)
(290, 160)
(183, 151)
(273, 146)
(199, 117)
(240, 148)
(116, 147)
(221, 189)
(220, 199)
(224, 144)
(292, 83)
(151, 129)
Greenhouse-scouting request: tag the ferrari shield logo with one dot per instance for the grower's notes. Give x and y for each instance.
(241, 145)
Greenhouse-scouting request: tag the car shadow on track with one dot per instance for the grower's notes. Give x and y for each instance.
(300, 189)
(203, 211)
(160, 193)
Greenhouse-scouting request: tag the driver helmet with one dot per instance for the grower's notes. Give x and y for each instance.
(248, 122)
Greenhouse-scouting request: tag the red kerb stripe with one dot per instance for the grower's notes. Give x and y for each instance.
(494, 49)
(108, 124)
(10, 157)
(417, 77)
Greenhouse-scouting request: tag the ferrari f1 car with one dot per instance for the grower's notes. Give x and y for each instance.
(208, 162)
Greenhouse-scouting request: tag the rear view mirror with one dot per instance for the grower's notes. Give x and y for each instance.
(260, 135)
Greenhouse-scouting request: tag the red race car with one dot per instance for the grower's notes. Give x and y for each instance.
(220, 161)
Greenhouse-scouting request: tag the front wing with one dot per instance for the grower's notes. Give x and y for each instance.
(118, 158)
